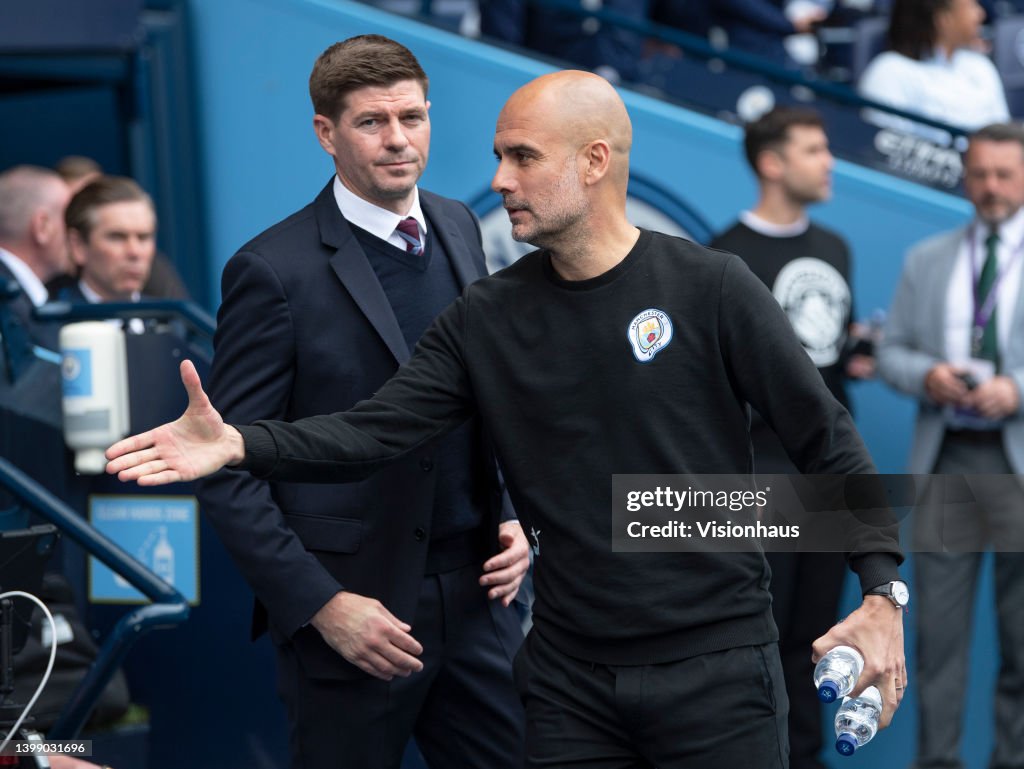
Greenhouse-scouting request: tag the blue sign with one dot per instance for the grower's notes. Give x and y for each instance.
(161, 532)
(76, 369)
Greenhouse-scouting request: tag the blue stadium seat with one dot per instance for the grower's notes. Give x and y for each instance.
(1008, 53)
(868, 42)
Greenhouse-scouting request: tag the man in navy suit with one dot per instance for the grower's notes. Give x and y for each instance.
(388, 601)
(33, 242)
(33, 249)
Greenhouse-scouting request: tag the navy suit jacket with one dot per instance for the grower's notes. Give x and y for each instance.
(31, 435)
(305, 328)
(20, 310)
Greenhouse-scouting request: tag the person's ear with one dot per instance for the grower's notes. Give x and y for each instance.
(76, 248)
(324, 129)
(770, 165)
(596, 157)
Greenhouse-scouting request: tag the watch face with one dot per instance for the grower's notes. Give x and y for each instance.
(900, 593)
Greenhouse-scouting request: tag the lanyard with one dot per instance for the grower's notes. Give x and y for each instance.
(983, 308)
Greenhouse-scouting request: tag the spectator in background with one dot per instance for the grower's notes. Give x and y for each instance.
(761, 26)
(609, 50)
(163, 282)
(807, 269)
(78, 171)
(111, 227)
(33, 241)
(955, 341)
(932, 69)
(33, 248)
(996, 9)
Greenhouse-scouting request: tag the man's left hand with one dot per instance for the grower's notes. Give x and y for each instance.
(876, 631)
(504, 572)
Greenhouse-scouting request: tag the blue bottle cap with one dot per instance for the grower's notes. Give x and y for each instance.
(846, 744)
(828, 691)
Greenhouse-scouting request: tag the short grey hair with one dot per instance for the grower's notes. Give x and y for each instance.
(23, 191)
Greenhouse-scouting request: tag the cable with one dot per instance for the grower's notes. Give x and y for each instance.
(49, 666)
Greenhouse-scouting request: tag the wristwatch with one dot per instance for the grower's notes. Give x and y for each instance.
(896, 591)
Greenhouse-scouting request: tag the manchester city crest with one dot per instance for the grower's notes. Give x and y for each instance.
(816, 298)
(649, 333)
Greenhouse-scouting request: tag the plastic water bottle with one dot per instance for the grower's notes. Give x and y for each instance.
(857, 721)
(837, 672)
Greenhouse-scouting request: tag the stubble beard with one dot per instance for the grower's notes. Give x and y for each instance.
(560, 225)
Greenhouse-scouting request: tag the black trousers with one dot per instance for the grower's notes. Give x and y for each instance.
(716, 710)
(462, 707)
(805, 591)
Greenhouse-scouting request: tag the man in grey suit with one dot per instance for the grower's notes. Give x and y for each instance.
(954, 341)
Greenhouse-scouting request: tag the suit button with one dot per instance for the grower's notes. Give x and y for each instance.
(426, 464)
(419, 534)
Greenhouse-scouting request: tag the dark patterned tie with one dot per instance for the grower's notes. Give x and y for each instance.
(989, 346)
(409, 231)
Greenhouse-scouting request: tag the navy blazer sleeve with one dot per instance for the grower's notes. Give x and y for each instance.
(252, 379)
(430, 395)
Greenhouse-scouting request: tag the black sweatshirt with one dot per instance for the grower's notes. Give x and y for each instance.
(809, 275)
(569, 397)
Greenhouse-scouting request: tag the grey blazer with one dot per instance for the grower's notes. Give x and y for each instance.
(915, 340)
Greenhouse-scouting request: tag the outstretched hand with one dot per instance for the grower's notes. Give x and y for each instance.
(196, 444)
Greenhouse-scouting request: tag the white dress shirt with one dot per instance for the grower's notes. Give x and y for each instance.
(960, 294)
(134, 325)
(376, 220)
(28, 280)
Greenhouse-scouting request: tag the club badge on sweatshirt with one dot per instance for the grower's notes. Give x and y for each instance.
(816, 297)
(649, 333)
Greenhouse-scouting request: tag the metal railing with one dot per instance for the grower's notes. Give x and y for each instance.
(196, 320)
(169, 607)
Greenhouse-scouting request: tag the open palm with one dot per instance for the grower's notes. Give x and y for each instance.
(196, 444)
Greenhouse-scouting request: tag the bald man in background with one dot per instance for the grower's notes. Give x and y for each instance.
(33, 242)
(33, 249)
(610, 350)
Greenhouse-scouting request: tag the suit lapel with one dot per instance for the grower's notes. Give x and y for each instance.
(448, 233)
(941, 273)
(356, 274)
(20, 304)
(1015, 321)
(22, 311)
